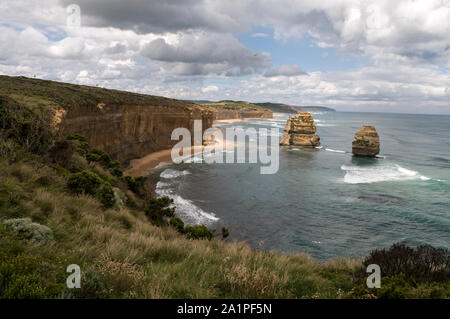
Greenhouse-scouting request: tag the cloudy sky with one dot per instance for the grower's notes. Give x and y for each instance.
(352, 55)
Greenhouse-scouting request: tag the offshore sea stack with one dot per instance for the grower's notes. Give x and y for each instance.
(300, 130)
(366, 143)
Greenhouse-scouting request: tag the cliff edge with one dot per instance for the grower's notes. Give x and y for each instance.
(124, 124)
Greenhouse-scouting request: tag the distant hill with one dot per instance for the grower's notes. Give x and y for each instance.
(315, 108)
(278, 107)
(274, 107)
(287, 108)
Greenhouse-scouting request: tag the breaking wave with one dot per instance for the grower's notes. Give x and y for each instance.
(385, 173)
(190, 213)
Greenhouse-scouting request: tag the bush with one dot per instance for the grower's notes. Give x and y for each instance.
(157, 209)
(135, 183)
(92, 286)
(106, 195)
(177, 223)
(27, 129)
(99, 156)
(423, 263)
(84, 182)
(115, 168)
(80, 143)
(199, 232)
(225, 232)
(24, 228)
(61, 153)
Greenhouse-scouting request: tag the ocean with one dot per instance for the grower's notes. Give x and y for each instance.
(325, 202)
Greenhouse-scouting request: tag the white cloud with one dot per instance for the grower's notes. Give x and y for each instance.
(210, 88)
(172, 49)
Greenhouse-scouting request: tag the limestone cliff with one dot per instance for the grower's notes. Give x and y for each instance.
(124, 124)
(367, 142)
(300, 130)
(131, 131)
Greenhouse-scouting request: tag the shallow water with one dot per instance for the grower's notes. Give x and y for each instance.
(324, 201)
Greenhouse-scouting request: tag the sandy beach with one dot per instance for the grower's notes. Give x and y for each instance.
(144, 165)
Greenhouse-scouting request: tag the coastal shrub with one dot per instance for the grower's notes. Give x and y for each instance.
(84, 182)
(424, 263)
(96, 155)
(177, 223)
(24, 228)
(135, 183)
(79, 142)
(29, 129)
(225, 232)
(106, 196)
(115, 168)
(92, 286)
(76, 137)
(199, 232)
(61, 153)
(157, 209)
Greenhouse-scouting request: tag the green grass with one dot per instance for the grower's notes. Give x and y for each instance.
(233, 105)
(36, 93)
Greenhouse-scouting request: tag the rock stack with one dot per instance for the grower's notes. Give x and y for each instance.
(300, 130)
(366, 143)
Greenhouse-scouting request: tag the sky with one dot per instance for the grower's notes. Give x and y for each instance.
(366, 56)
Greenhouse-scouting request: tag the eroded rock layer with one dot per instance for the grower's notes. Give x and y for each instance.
(367, 142)
(300, 130)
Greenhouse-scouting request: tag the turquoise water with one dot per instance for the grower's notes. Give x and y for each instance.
(324, 201)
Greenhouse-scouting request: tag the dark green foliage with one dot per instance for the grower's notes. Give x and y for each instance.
(115, 168)
(77, 137)
(23, 129)
(24, 275)
(199, 232)
(225, 232)
(44, 181)
(422, 272)
(106, 196)
(84, 182)
(92, 286)
(177, 223)
(80, 143)
(61, 153)
(96, 155)
(422, 263)
(135, 183)
(157, 209)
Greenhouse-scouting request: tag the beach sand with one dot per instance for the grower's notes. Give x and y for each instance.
(144, 165)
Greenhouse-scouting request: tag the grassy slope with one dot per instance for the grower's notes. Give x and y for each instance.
(136, 259)
(36, 92)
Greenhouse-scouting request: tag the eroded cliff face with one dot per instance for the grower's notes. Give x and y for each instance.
(226, 114)
(300, 130)
(132, 131)
(367, 142)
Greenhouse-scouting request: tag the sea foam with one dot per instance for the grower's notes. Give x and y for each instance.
(190, 213)
(383, 173)
(171, 173)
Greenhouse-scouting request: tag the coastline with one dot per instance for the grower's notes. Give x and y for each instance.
(143, 166)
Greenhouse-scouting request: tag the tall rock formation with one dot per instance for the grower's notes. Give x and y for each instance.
(300, 130)
(367, 142)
